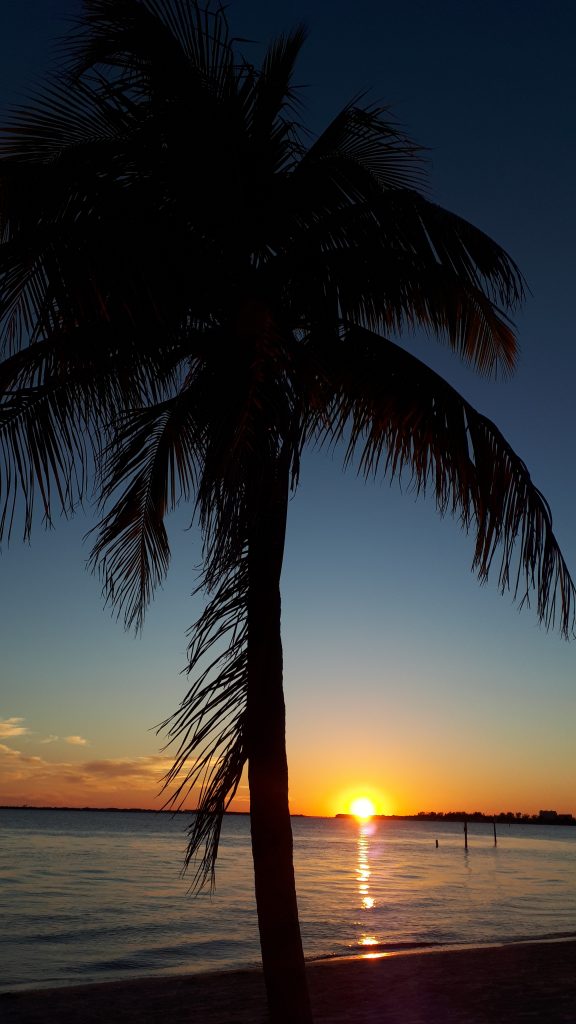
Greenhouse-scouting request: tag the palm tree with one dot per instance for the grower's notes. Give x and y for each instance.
(193, 290)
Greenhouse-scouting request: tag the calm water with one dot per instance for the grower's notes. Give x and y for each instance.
(94, 896)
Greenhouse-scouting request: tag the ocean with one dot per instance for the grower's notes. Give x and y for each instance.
(96, 895)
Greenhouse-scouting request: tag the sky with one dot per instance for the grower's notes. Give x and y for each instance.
(406, 681)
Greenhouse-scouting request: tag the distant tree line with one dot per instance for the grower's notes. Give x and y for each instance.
(518, 817)
(503, 817)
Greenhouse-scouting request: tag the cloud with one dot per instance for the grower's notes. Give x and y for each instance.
(8, 751)
(103, 782)
(90, 782)
(14, 756)
(137, 769)
(12, 727)
(74, 741)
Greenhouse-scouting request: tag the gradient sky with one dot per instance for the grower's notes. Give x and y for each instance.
(405, 680)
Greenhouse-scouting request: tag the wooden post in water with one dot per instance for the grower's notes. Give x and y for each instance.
(495, 839)
(465, 833)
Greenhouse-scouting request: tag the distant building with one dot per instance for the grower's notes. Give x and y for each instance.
(555, 819)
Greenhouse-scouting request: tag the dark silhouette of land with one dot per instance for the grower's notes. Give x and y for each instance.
(503, 818)
(171, 812)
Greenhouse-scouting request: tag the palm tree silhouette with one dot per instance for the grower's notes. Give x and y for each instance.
(192, 290)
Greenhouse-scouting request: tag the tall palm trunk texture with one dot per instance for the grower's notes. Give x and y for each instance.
(271, 830)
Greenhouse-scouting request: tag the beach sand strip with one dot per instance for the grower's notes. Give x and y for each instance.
(512, 984)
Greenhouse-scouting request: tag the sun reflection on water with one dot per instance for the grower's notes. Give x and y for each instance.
(363, 874)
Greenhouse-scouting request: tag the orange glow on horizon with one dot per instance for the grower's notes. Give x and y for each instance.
(363, 800)
(61, 772)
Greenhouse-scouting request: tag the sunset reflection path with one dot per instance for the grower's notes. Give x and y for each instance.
(367, 902)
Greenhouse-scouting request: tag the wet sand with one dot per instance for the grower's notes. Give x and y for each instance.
(499, 985)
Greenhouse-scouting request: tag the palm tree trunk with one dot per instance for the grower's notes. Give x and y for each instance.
(281, 944)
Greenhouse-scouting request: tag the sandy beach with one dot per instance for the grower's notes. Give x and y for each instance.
(495, 985)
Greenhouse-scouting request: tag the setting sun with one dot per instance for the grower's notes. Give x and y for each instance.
(362, 807)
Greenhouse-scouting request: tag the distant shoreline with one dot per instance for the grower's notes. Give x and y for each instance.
(117, 810)
(451, 817)
(477, 816)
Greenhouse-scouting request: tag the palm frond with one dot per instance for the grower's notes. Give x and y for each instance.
(209, 727)
(27, 310)
(153, 46)
(43, 449)
(386, 275)
(59, 399)
(387, 257)
(273, 92)
(57, 120)
(83, 243)
(402, 419)
(365, 139)
(154, 463)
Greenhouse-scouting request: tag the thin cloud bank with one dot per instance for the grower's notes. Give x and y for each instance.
(12, 727)
(115, 781)
(8, 752)
(27, 778)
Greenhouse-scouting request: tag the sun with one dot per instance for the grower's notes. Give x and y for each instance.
(362, 808)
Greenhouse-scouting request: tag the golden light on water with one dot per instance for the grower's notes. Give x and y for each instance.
(363, 808)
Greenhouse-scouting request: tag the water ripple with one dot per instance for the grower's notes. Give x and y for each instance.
(93, 895)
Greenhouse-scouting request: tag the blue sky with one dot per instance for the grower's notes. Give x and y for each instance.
(403, 675)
